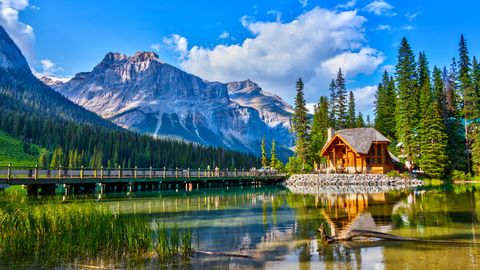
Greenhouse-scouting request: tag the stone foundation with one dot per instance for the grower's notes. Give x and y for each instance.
(319, 180)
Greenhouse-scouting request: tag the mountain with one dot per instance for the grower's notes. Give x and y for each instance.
(52, 82)
(21, 91)
(145, 94)
(39, 125)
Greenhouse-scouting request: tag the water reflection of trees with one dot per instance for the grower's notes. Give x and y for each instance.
(439, 207)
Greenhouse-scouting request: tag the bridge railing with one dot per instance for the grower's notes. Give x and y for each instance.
(37, 173)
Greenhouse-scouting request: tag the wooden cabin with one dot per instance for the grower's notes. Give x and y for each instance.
(358, 150)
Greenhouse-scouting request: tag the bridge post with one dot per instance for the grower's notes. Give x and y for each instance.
(226, 173)
(176, 172)
(9, 172)
(151, 172)
(135, 172)
(198, 173)
(81, 172)
(164, 172)
(36, 172)
(243, 172)
(101, 172)
(188, 173)
(235, 172)
(59, 172)
(119, 172)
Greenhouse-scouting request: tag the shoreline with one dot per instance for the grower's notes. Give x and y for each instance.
(354, 180)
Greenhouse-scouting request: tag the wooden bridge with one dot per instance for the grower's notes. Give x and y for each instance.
(86, 180)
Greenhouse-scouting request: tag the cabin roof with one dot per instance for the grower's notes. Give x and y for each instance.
(359, 139)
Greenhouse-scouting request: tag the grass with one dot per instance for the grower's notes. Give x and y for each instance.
(12, 151)
(43, 231)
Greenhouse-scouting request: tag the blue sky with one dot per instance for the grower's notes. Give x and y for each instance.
(270, 42)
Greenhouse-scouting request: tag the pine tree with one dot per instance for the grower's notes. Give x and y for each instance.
(57, 158)
(369, 123)
(301, 123)
(360, 123)
(351, 116)
(439, 91)
(273, 156)
(333, 102)
(385, 107)
(450, 79)
(341, 101)
(433, 149)
(476, 153)
(470, 97)
(42, 160)
(476, 76)
(424, 84)
(407, 102)
(319, 128)
(264, 154)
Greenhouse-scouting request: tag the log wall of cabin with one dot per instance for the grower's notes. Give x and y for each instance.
(376, 161)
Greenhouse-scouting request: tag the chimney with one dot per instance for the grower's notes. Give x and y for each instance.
(330, 134)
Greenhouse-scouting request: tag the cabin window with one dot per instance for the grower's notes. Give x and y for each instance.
(379, 151)
(372, 161)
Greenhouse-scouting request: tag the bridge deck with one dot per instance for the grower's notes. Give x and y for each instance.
(10, 175)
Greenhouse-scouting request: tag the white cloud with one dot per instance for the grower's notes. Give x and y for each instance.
(365, 99)
(49, 68)
(311, 107)
(177, 43)
(313, 46)
(21, 33)
(277, 14)
(156, 46)
(408, 27)
(304, 3)
(380, 7)
(224, 35)
(412, 15)
(383, 27)
(348, 5)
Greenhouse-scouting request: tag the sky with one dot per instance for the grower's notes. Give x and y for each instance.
(270, 42)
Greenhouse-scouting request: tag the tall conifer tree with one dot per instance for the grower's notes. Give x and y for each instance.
(319, 128)
(333, 102)
(341, 101)
(273, 156)
(407, 103)
(264, 154)
(360, 123)
(351, 116)
(433, 160)
(301, 123)
(385, 107)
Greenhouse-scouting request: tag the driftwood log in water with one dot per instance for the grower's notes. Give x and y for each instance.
(351, 234)
(222, 254)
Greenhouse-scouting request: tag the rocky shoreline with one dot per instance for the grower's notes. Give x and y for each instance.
(345, 182)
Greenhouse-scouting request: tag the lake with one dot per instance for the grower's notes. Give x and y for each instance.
(278, 228)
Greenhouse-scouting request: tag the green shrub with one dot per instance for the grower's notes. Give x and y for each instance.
(460, 175)
(393, 173)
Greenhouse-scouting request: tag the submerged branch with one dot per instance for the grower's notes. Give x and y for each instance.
(223, 254)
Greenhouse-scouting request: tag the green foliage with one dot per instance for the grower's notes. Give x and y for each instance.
(273, 156)
(16, 152)
(301, 124)
(385, 107)
(319, 128)
(92, 145)
(460, 175)
(393, 173)
(264, 154)
(359, 122)
(296, 165)
(333, 101)
(470, 96)
(340, 105)
(351, 116)
(476, 152)
(433, 156)
(171, 245)
(407, 102)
